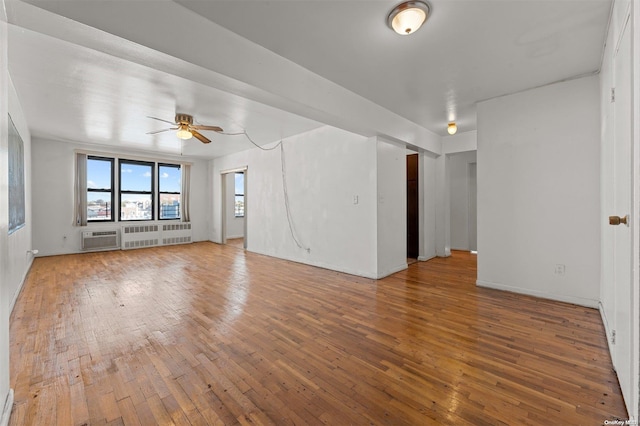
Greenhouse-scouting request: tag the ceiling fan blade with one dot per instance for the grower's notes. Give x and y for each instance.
(163, 130)
(200, 137)
(201, 127)
(160, 119)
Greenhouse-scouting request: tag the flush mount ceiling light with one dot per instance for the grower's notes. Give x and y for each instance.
(452, 128)
(407, 17)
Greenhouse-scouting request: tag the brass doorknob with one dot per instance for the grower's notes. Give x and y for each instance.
(617, 220)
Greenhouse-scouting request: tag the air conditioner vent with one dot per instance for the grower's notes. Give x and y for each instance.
(100, 240)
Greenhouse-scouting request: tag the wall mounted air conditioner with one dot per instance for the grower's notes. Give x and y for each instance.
(100, 240)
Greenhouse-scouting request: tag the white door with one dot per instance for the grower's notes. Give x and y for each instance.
(622, 351)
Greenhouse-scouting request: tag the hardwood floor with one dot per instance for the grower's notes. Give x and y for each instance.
(208, 334)
(236, 242)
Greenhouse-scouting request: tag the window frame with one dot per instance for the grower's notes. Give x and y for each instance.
(152, 166)
(235, 214)
(176, 166)
(103, 190)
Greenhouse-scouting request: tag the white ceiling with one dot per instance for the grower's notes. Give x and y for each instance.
(97, 82)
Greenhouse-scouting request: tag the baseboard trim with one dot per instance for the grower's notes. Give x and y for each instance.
(425, 258)
(580, 301)
(317, 264)
(19, 289)
(607, 330)
(6, 411)
(392, 271)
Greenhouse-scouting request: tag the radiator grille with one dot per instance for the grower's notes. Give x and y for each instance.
(140, 243)
(176, 233)
(138, 236)
(136, 229)
(176, 226)
(176, 240)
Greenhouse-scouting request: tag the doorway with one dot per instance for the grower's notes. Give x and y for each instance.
(462, 186)
(234, 207)
(413, 210)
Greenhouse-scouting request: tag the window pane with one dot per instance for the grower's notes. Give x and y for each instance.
(239, 183)
(169, 178)
(98, 173)
(99, 206)
(135, 177)
(169, 206)
(135, 206)
(239, 207)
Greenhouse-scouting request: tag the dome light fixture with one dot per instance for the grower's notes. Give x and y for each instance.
(452, 128)
(407, 17)
(184, 133)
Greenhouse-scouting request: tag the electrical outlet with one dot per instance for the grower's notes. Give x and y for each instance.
(559, 270)
(355, 199)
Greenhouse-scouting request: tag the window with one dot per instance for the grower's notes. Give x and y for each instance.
(113, 189)
(169, 191)
(99, 189)
(239, 185)
(136, 190)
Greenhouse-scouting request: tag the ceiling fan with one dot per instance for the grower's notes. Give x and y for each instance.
(186, 129)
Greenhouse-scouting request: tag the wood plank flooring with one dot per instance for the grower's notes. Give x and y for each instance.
(207, 334)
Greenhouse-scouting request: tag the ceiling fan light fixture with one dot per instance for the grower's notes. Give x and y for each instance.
(186, 129)
(407, 17)
(184, 133)
(452, 128)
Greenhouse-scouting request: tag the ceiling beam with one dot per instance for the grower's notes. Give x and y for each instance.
(168, 37)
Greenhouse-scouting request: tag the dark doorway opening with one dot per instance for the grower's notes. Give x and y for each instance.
(413, 220)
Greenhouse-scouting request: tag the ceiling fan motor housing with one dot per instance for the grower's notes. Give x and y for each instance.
(184, 119)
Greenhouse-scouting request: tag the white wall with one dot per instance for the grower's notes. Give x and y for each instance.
(443, 206)
(53, 176)
(459, 193)
(392, 208)
(460, 142)
(235, 225)
(428, 211)
(14, 256)
(325, 168)
(6, 293)
(20, 241)
(15, 260)
(538, 191)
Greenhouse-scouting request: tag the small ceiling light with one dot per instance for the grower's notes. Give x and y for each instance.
(184, 133)
(407, 17)
(452, 128)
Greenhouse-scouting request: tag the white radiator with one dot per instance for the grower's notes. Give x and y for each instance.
(100, 240)
(176, 233)
(138, 236)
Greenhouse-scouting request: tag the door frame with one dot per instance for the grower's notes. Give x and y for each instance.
(223, 190)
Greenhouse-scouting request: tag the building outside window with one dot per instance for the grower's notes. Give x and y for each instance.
(99, 189)
(136, 190)
(239, 201)
(169, 191)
